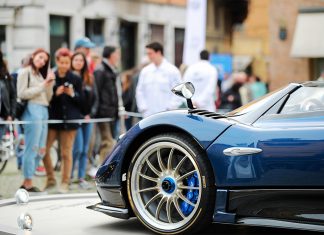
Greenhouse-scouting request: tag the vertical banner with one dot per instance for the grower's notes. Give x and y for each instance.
(195, 34)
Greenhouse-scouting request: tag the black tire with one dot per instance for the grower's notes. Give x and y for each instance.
(170, 220)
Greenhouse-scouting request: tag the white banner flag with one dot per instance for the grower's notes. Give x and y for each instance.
(195, 34)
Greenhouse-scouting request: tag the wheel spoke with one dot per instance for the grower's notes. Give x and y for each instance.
(149, 178)
(153, 199)
(185, 199)
(148, 189)
(170, 159)
(158, 173)
(176, 205)
(162, 167)
(158, 209)
(185, 175)
(188, 187)
(165, 184)
(180, 164)
(168, 209)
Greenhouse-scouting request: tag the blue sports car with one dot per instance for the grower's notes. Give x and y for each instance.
(262, 164)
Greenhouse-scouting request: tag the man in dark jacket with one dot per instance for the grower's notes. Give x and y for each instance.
(106, 76)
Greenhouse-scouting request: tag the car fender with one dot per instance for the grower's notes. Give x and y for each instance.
(202, 129)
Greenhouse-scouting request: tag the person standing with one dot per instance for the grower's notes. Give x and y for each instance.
(153, 91)
(35, 84)
(106, 78)
(66, 106)
(7, 95)
(89, 109)
(203, 76)
(257, 87)
(84, 45)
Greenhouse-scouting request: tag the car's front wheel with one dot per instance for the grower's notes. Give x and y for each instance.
(170, 185)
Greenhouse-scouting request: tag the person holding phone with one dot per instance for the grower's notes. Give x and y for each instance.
(35, 84)
(65, 105)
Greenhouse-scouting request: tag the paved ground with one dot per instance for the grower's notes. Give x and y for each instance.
(11, 179)
(67, 214)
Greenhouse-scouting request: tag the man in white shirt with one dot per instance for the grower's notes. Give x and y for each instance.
(203, 76)
(153, 91)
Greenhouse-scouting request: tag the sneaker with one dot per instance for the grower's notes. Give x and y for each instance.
(85, 185)
(33, 190)
(40, 171)
(64, 188)
(92, 172)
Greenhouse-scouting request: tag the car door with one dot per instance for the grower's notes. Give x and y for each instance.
(284, 177)
(292, 149)
(287, 144)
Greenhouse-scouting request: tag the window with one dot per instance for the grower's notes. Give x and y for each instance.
(178, 47)
(127, 41)
(305, 99)
(157, 33)
(59, 34)
(3, 39)
(94, 31)
(318, 67)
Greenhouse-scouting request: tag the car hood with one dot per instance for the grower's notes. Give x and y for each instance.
(203, 128)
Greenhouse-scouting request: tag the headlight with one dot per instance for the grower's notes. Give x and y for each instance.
(25, 221)
(22, 196)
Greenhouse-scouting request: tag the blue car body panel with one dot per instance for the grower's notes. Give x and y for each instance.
(292, 154)
(204, 130)
(282, 181)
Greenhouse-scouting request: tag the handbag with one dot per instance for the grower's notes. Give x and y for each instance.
(21, 104)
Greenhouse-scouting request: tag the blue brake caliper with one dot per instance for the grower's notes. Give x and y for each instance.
(191, 195)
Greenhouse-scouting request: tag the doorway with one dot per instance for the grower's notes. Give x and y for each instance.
(59, 34)
(128, 42)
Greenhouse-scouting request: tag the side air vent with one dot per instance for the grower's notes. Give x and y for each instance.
(206, 113)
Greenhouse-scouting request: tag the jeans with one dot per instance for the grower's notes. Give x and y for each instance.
(35, 137)
(81, 148)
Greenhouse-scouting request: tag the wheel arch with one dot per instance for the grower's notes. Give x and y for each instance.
(139, 140)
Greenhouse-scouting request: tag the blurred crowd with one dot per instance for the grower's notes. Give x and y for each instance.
(94, 102)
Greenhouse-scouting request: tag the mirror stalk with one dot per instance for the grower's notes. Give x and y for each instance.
(189, 103)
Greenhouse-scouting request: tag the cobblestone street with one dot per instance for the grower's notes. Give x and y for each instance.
(11, 179)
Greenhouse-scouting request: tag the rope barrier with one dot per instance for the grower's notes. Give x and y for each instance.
(93, 120)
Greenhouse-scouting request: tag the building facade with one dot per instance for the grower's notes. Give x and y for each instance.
(267, 36)
(130, 24)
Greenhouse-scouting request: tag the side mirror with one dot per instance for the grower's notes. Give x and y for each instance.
(185, 90)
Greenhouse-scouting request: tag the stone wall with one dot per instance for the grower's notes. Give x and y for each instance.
(283, 68)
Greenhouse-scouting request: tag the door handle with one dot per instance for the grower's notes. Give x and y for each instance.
(239, 151)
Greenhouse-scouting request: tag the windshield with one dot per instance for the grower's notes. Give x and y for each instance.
(254, 105)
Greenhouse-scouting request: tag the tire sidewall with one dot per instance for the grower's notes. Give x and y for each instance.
(200, 160)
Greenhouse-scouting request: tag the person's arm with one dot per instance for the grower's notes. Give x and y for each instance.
(174, 80)
(49, 88)
(140, 94)
(95, 104)
(13, 97)
(26, 92)
(77, 94)
(99, 74)
(209, 92)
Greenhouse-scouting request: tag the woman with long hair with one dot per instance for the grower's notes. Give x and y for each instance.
(35, 84)
(90, 105)
(7, 95)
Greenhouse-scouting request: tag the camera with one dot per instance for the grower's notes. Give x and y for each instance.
(66, 84)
